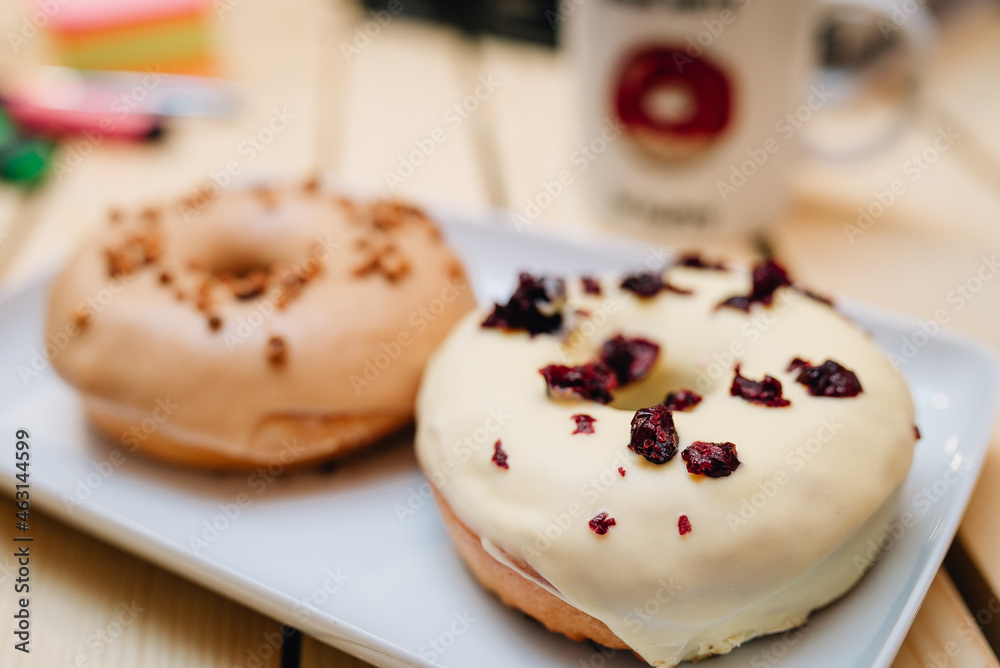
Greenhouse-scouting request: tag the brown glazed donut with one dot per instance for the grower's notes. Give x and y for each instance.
(257, 327)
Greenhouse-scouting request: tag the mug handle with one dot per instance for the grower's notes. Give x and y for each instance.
(911, 21)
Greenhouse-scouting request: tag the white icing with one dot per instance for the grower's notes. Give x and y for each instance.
(769, 543)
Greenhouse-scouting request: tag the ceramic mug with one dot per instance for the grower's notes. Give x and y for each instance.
(706, 102)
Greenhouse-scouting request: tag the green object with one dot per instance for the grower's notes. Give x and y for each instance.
(24, 160)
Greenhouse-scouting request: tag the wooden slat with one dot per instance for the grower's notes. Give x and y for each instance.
(962, 82)
(403, 85)
(93, 605)
(944, 634)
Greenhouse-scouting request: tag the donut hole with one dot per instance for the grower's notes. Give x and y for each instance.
(242, 269)
(245, 260)
(654, 388)
(670, 103)
(246, 240)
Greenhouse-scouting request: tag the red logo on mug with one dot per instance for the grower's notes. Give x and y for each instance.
(671, 104)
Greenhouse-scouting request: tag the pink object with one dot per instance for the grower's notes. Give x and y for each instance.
(59, 104)
(84, 15)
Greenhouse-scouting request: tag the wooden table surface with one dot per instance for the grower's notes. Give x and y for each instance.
(354, 113)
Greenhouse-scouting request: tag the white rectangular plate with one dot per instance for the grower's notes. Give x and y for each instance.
(334, 554)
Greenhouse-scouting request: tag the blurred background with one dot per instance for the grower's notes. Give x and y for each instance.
(113, 103)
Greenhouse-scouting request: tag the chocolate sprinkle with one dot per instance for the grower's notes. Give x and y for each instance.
(277, 351)
(768, 276)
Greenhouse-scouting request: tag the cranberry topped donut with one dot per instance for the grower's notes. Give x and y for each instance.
(256, 327)
(693, 458)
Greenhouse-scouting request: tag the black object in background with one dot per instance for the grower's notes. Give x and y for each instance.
(538, 20)
(529, 20)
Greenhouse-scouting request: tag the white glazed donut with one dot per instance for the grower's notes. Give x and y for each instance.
(265, 327)
(607, 520)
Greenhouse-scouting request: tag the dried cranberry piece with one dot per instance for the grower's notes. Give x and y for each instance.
(630, 358)
(653, 434)
(648, 284)
(682, 400)
(499, 456)
(683, 525)
(584, 423)
(643, 283)
(590, 285)
(765, 392)
(592, 381)
(621, 471)
(715, 460)
(601, 523)
(916, 433)
(829, 379)
(797, 363)
(768, 276)
(694, 260)
(536, 306)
